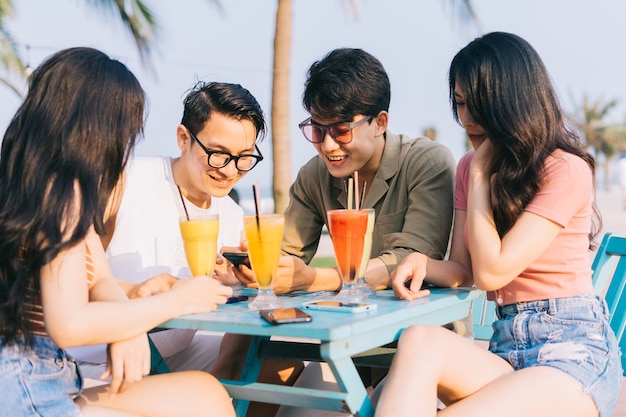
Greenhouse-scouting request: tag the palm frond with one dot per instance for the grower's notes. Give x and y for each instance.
(464, 12)
(137, 18)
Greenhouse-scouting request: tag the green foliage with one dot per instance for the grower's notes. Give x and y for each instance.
(323, 262)
(591, 120)
(137, 18)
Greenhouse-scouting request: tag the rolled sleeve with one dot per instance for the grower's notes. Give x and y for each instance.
(424, 223)
(303, 220)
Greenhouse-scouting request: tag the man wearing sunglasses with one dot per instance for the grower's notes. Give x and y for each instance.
(217, 137)
(409, 182)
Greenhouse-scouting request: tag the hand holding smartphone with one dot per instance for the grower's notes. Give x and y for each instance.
(237, 258)
(285, 315)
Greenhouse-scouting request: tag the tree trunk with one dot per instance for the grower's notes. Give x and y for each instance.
(607, 173)
(281, 149)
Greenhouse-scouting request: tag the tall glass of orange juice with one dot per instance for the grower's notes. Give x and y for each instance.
(264, 234)
(367, 253)
(200, 238)
(347, 230)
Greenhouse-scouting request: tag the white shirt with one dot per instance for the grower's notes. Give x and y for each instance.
(147, 239)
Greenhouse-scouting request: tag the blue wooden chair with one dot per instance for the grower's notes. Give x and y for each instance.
(483, 315)
(609, 280)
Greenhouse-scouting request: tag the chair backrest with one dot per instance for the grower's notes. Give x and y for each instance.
(609, 280)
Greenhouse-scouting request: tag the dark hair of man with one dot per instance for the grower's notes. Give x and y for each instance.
(62, 155)
(508, 91)
(230, 100)
(345, 83)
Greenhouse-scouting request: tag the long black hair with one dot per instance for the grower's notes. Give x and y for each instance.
(62, 155)
(508, 92)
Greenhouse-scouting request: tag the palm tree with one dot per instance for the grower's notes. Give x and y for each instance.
(136, 16)
(139, 21)
(281, 142)
(9, 56)
(603, 138)
(280, 94)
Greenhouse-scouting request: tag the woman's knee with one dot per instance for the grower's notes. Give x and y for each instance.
(416, 335)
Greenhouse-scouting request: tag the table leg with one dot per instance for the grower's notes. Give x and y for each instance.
(250, 372)
(349, 381)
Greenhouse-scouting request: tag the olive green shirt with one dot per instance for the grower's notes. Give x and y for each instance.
(412, 196)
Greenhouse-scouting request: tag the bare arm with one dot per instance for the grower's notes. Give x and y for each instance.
(454, 272)
(495, 261)
(77, 315)
(457, 269)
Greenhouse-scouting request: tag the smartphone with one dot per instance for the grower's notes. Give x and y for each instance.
(285, 315)
(236, 299)
(237, 258)
(338, 306)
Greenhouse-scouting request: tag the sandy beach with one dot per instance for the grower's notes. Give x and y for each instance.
(611, 206)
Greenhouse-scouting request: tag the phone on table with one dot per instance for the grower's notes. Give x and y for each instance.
(237, 258)
(338, 306)
(285, 315)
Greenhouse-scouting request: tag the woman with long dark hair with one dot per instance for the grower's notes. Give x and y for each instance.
(527, 192)
(62, 157)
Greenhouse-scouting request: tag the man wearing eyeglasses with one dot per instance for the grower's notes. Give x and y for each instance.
(217, 137)
(409, 183)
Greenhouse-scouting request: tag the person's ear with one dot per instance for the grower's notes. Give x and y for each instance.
(183, 139)
(381, 120)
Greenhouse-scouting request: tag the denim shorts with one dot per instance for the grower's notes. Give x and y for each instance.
(570, 334)
(41, 380)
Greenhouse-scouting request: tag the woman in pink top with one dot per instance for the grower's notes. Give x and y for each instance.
(526, 205)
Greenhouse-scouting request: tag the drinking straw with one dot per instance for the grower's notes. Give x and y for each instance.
(257, 205)
(350, 191)
(357, 200)
(183, 201)
(364, 186)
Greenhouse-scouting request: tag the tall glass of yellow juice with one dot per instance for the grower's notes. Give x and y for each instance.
(264, 235)
(347, 230)
(200, 238)
(367, 253)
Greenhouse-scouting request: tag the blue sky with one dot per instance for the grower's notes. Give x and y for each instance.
(581, 42)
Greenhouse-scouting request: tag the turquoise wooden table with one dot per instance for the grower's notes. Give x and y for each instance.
(330, 337)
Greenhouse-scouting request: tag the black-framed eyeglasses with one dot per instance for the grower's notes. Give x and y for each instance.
(219, 159)
(339, 132)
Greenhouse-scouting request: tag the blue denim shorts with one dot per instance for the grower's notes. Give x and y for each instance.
(570, 334)
(41, 380)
